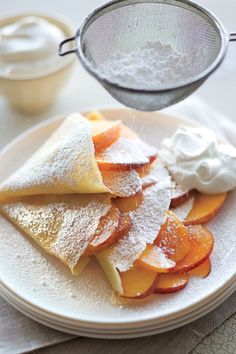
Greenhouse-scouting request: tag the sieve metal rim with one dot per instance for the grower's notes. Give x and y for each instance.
(224, 36)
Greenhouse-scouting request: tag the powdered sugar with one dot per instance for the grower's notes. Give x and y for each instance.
(147, 221)
(156, 173)
(155, 64)
(122, 184)
(61, 225)
(125, 151)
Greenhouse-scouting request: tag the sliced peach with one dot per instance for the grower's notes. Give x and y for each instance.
(202, 271)
(129, 203)
(95, 115)
(154, 260)
(107, 226)
(170, 283)
(124, 225)
(111, 229)
(143, 171)
(122, 184)
(173, 238)
(201, 245)
(138, 283)
(104, 133)
(134, 283)
(205, 208)
(125, 154)
(179, 195)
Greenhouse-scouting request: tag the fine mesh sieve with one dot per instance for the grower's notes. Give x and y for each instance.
(125, 26)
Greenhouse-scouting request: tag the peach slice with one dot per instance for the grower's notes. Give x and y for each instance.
(170, 283)
(95, 115)
(122, 184)
(201, 245)
(124, 226)
(179, 195)
(173, 238)
(205, 208)
(138, 283)
(134, 283)
(125, 154)
(154, 260)
(129, 203)
(104, 133)
(202, 271)
(111, 228)
(143, 172)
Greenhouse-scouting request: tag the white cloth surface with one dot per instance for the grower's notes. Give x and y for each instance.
(20, 334)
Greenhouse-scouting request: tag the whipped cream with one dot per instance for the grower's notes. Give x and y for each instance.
(28, 47)
(197, 160)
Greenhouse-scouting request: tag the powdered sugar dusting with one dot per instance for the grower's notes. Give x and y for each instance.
(61, 225)
(126, 151)
(64, 164)
(122, 184)
(184, 209)
(177, 190)
(157, 173)
(150, 66)
(147, 221)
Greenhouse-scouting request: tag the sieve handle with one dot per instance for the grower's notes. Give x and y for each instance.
(232, 36)
(60, 51)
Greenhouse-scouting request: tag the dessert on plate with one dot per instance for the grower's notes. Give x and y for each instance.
(95, 189)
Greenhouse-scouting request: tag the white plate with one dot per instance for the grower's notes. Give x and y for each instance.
(122, 334)
(48, 288)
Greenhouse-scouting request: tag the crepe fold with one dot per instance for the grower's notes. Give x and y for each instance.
(63, 225)
(64, 164)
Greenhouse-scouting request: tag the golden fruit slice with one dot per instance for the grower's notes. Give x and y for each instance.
(202, 271)
(109, 235)
(173, 238)
(205, 207)
(170, 283)
(138, 283)
(122, 184)
(129, 203)
(95, 115)
(179, 195)
(124, 154)
(154, 260)
(201, 245)
(104, 133)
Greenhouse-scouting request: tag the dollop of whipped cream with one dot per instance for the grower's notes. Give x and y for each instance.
(198, 160)
(29, 47)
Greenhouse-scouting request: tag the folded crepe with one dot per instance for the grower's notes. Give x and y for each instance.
(58, 196)
(64, 164)
(63, 225)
